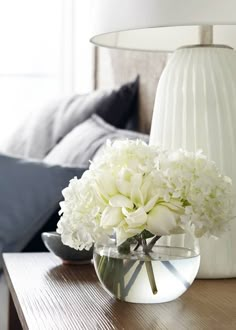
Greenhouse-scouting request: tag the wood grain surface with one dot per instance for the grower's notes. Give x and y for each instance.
(50, 295)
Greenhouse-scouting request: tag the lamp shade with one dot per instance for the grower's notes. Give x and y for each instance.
(161, 25)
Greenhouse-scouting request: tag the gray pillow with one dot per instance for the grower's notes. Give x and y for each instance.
(30, 193)
(82, 143)
(46, 127)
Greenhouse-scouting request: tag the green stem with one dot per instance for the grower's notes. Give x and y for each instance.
(124, 248)
(147, 248)
(137, 246)
(102, 264)
(124, 269)
(121, 280)
(151, 277)
(152, 243)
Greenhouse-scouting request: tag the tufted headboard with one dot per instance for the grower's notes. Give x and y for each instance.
(114, 67)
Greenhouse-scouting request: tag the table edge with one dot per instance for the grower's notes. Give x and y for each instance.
(14, 295)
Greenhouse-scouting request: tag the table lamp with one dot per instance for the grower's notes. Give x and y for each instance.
(195, 105)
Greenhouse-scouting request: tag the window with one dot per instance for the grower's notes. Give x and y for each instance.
(44, 54)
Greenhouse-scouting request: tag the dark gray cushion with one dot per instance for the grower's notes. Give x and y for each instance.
(46, 127)
(30, 193)
(82, 143)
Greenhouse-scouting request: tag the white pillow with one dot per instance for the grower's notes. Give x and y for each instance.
(82, 143)
(44, 128)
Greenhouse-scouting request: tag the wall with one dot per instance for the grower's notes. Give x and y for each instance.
(114, 67)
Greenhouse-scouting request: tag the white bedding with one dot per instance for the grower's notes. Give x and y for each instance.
(3, 303)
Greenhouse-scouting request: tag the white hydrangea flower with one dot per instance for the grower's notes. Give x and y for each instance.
(79, 224)
(133, 187)
(207, 193)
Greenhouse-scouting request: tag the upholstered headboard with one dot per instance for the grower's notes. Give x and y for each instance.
(114, 67)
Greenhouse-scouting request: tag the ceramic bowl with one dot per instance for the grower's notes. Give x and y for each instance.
(52, 241)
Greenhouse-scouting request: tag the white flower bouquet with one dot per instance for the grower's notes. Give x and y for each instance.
(134, 188)
(140, 193)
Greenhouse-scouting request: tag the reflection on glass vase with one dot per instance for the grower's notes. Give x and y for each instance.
(162, 275)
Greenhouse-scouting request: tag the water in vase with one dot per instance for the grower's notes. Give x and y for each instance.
(127, 277)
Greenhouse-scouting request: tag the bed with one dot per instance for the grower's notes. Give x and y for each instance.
(113, 68)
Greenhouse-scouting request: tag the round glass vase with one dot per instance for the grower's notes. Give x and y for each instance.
(162, 275)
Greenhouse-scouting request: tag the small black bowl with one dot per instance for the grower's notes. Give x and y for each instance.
(52, 241)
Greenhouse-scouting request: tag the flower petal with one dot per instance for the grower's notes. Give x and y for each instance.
(111, 217)
(136, 218)
(106, 185)
(121, 201)
(145, 188)
(150, 204)
(161, 220)
(174, 205)
(123, 181)
(136, 196)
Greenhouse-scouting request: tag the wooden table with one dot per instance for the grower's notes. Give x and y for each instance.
(50, 295)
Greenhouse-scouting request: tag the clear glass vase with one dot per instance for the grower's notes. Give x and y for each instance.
(162, 275)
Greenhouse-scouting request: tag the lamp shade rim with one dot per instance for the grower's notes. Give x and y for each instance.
(158, 25)
(163, 40)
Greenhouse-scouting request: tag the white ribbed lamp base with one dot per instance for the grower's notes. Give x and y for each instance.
(195, 108)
